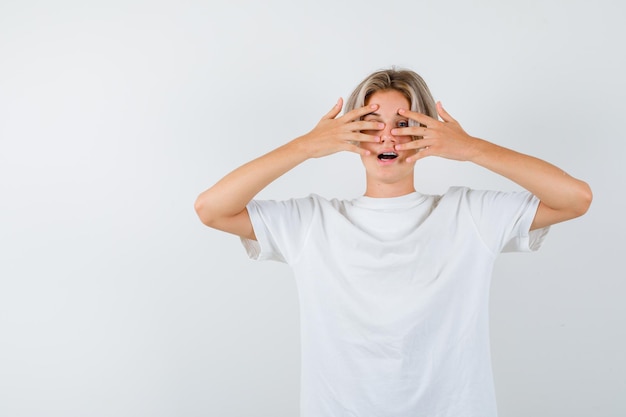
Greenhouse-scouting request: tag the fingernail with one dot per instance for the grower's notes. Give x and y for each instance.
(381, 125)
(401, 111)
(373, 106)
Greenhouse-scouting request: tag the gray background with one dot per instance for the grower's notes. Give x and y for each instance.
(116, 301)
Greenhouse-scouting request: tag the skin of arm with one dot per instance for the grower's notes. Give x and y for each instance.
(562, 197)
(223, 206)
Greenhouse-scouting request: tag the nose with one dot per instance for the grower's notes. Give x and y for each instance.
(386, 135)
(387, 139)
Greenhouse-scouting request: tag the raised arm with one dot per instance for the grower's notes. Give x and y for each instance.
(562, 197)
(223, 206)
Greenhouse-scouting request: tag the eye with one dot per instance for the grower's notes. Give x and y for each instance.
(403, 123)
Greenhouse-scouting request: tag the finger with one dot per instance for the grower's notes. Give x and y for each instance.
(335, 110)
(356, 114)
(356, 137)
(418, 117)
(361, 125)
(415, 144)
(410, 131)
(445, 116)
(364, 137)
(358, 149)
(419, 154)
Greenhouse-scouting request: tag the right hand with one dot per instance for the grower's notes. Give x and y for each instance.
(334, 134)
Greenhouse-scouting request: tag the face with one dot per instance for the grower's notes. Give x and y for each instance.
(385, 165)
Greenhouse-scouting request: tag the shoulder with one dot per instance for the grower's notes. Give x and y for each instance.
(478, 195)
(458, 194)
(309, 204)
(490, 205)
(489, 202)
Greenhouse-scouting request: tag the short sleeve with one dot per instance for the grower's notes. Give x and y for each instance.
(280, 227)
(504, 219)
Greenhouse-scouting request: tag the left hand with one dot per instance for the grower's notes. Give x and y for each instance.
(445, 139)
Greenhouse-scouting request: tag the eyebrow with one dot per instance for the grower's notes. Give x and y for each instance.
(378, 115)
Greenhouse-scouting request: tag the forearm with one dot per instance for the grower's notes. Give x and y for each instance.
(223, 205)
(230, 195)
(562, 196)
(554, 187)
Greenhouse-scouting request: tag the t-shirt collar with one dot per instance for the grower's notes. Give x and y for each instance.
(389, 202)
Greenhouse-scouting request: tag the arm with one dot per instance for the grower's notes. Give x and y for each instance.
(561, 196)
(223, 206)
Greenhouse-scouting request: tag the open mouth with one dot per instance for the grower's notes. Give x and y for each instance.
(387, 155)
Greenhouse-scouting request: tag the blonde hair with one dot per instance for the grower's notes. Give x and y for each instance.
(409, 83)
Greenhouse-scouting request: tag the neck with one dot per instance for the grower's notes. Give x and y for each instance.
(382, 190)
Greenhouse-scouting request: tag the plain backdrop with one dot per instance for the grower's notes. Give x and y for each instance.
(114, 115)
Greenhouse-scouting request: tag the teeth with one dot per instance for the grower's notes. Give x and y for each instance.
(388, 155)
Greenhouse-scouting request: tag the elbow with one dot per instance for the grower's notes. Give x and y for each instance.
(203, 211)
(583, 199)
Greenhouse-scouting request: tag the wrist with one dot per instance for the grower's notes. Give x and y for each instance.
(299, 148)
(480, 150)
(306, 147)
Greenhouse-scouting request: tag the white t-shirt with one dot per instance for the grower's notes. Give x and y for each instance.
(394, 296)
